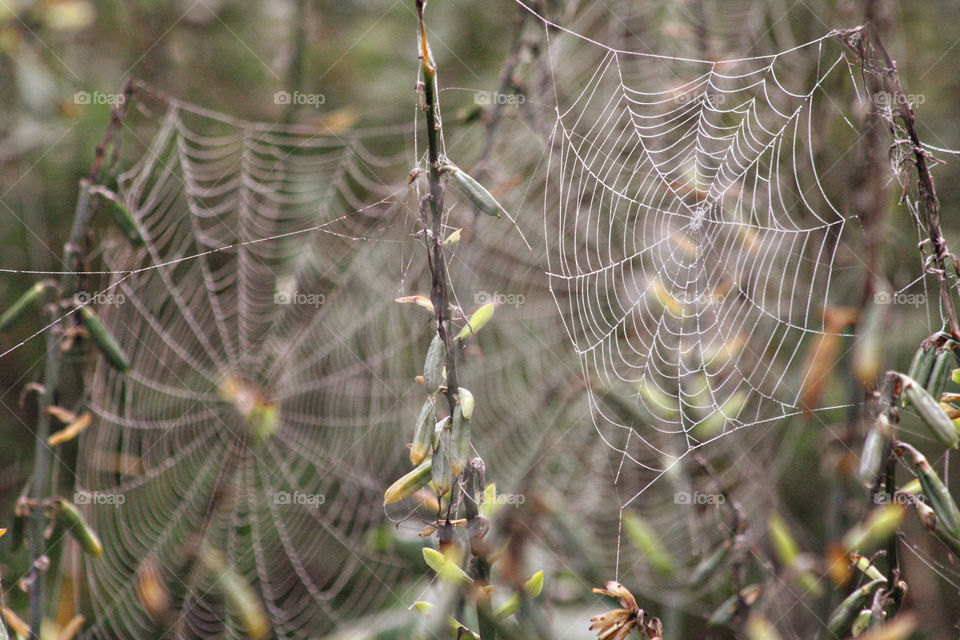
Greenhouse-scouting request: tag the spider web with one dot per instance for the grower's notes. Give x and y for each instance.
(691, 242)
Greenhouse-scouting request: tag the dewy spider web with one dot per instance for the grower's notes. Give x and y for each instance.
(263, 377)
(691, 237)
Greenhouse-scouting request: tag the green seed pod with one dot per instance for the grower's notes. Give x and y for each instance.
(846, 612)
(866, 567)
(531, 589)
(423, 437)
(445, 568)
(863, 622)
(442, 474)
(929, 519)
(433, 366)
(786, 547)
(475, 191)
(876, 447)
(706, 567)
(477, 321)
(933, 416)
(465, 397)
(238, 594)
(940, 373)
(103, 339)
(459, 451)
(724, 613)
(648, 543)
(29, 298)
(880, 524)
(922, 364)
(935, 491)
(74, 523)
(121, 215)
(409, 483)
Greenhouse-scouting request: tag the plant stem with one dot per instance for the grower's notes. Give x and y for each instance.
(40, 483)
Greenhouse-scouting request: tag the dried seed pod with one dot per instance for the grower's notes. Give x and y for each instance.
(75, 523)
(433, 365)
(474, 191)
(928, 517)
(876, 447)
(846, 612)
(70, 630)
(409, 483)
(29, 298)
(477, 321)
(103, 339)
(71, 431)
(442, 473)
(423, 436)
(933, 416)
(459, 450)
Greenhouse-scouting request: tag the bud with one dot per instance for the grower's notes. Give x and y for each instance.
(459, 450)
(433, 365)
(77, 526)
(477, 321)
(29, 298)
(442, 474)
(445, 568)
(423, 436)
(103, 339)
(466, 402)
(648, 543)
(409, 483)
(876, 446)
(120, 214)
(933, 416)
(474, 191)
(531, 589)
(881, 523)
(846, 612)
